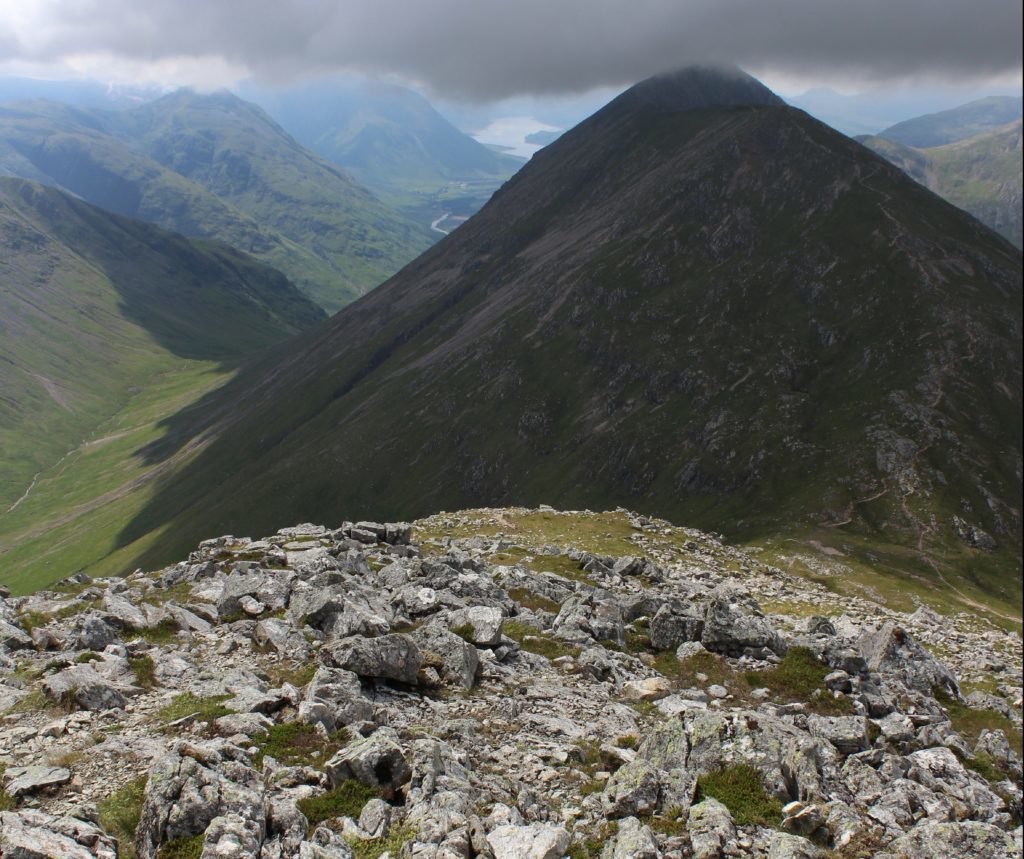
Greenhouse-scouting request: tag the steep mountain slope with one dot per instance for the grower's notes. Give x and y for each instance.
(94, 308)
(393, 141)
(217, 167)
(958, 123)
(699, 302)
(981, 175)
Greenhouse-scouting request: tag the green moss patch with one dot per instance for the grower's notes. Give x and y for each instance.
(391, 843)
(7, 802)
(534, 602)
(165, 632)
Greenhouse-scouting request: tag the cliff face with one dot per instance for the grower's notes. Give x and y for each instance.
(498, 683)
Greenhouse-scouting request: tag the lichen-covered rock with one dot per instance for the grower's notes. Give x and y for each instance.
(538, 841)
(392, 657)
(657, 778)
(483, 624)
(31, 834)
(783, 846)
(84, 687)
(13, 637)
(325, 844)
(939, 770)
(284, 639)
(193, 785)
(670, 628)
(970, 840)
(632, 840)
(94, 633)
(849, 734)
(892, 650)
(458, 659)
(376, 761)
(712, 832)
(334, 698)
(19, 781)
(728, 629)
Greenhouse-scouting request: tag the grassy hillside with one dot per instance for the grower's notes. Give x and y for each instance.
(216, 167)
(698, 303)
(96, 310)
(982, 174)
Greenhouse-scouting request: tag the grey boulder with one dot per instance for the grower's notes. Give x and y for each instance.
(390, 657)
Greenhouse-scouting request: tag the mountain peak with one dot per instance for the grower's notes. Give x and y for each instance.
(695, 87)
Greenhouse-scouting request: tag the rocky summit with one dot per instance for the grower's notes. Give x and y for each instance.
(501, 683)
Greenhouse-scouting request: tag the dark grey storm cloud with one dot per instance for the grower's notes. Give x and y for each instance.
(493, 48)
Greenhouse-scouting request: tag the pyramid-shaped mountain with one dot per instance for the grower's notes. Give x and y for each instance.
(699, 303)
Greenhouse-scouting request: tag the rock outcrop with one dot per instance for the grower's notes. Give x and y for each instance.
(480, 687)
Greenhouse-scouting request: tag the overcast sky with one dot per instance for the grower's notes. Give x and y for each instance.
(489, 49)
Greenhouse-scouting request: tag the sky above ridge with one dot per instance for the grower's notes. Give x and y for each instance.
(486, 50)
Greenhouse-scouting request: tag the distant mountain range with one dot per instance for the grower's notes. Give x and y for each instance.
(217, 167)
(872, 110)
(959, 123)
(393, 141)
(699, 303)
(971, 156)
(96, 306)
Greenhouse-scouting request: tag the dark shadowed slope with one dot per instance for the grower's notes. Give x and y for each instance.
(94, 307)
(699, 303)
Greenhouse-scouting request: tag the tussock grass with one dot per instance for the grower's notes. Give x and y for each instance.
(800, 677)
(206, 709)
(120, 813)
(345, 800)
(534, 641)
(296, 744)
(740, 788)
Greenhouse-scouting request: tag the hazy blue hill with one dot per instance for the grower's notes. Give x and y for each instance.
(699, 303)
(981, 174)
(959, 123)
(216, 167)
(393, 141)
(95, 305)
(389, 137)
(78, 93)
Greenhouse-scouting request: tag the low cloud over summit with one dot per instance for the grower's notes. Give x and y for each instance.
(486, 50)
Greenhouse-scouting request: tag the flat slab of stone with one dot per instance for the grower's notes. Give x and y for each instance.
(20, 781)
